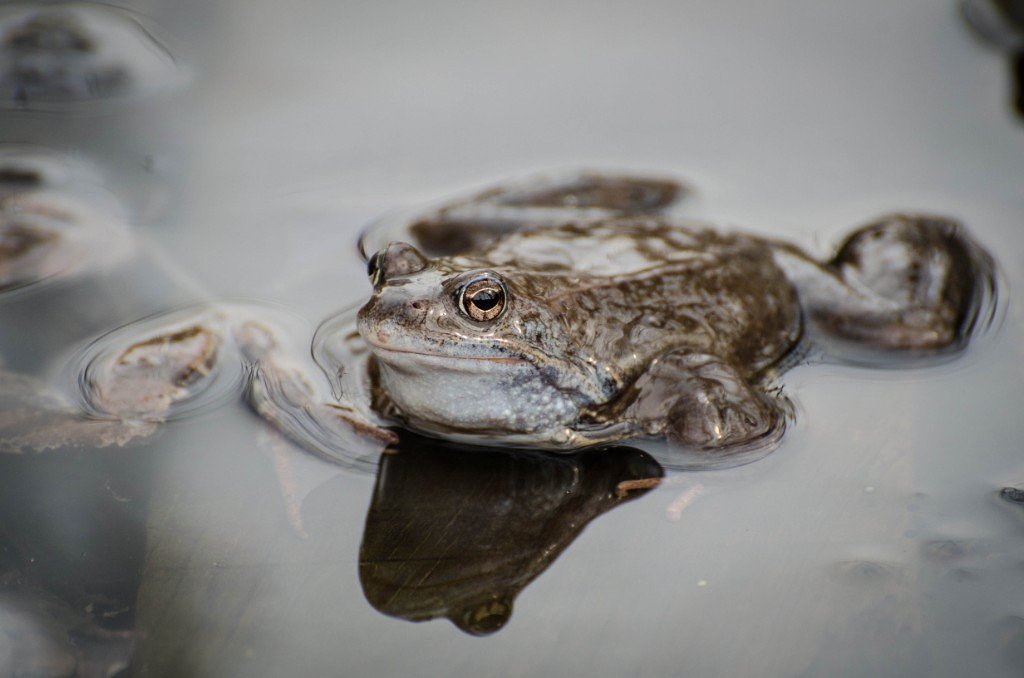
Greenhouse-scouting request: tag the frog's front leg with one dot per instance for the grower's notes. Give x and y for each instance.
(700, 401)
(278, 390)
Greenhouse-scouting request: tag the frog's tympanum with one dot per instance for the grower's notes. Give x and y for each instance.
(506, 517)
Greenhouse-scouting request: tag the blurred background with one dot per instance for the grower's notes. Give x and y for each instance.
(875, 541)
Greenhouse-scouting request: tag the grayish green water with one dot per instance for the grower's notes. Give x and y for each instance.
(873, 542)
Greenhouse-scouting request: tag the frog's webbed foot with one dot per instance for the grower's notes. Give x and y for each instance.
(700, 402)
(35, 418)
(278, 390)
(145, 380)
(904, 282)
(462, 226)
(126, 390)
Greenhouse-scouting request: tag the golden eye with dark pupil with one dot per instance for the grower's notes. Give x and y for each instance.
(483, 300)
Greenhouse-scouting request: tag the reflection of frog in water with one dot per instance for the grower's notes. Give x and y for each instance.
(506, 515)
(568, 313)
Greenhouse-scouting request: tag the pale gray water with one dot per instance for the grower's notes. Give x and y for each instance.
(873, 542)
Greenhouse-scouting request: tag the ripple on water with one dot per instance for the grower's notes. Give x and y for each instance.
(341, 354)
(163, 367)
(172, 364)
(180, 363)
(69, 52)
(954, 551)
(866, 572)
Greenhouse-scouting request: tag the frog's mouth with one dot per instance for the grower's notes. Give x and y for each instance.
(392, 354)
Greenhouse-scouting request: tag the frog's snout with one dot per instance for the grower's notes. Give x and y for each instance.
(396, 260)
(391, 311)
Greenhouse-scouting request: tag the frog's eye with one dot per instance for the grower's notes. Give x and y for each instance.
(374, 269)
(482, 299)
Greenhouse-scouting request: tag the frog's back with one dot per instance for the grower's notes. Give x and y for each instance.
(631, 289)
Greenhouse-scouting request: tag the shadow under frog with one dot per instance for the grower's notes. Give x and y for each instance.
(507, 516)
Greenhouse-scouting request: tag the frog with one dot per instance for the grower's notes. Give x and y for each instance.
(576, 313)
(560, 313)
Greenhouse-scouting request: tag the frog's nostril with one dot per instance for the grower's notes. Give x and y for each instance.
(418, 306)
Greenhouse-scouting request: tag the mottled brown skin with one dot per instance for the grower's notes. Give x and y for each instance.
(620, 345)
(461, 226)
(617, 323)
(698, 291)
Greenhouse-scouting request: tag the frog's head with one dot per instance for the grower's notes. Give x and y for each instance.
(464, 347)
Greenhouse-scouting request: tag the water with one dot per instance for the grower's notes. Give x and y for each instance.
(874, 541)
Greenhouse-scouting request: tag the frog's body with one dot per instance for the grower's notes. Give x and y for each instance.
(591, 309)
(625, 324)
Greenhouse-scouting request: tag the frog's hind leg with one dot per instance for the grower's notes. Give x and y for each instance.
(702, 403)
(616, 193)
(464, 225)
(904, 282)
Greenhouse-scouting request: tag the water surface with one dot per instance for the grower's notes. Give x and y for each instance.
(874, 541)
